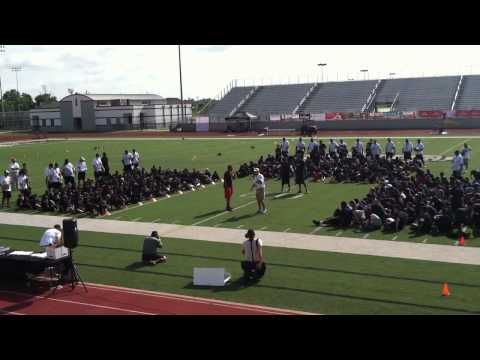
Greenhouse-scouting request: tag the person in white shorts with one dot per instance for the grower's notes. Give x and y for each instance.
(259, 185)
(14, 170)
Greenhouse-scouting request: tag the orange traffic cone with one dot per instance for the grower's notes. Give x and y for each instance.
(445, 291)
(461, 240)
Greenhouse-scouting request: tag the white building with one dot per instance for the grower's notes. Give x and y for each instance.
(100, 112)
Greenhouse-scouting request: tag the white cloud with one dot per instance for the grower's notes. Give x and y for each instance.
(207, 69)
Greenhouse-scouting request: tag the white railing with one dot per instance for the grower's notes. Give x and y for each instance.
(395, 100)
(457, 92)
(244, 100)
(307, 95)
(371, 97)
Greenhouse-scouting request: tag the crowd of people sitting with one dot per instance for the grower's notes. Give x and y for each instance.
(67, 193)
(406, 194)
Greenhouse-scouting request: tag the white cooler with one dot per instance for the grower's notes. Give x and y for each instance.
(57, 252)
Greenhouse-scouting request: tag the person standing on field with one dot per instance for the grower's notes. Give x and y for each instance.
(14, 170)
(466, 151)
(228, 186)
(259, 185)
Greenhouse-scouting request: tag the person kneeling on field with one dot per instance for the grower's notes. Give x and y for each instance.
(253, 265)
(150, 246)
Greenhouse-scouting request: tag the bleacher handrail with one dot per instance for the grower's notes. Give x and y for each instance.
(395, 100)
(304, 98)
(457, 92)
(371, 97)
(244, 100)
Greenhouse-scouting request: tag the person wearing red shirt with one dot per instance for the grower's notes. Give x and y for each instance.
(228, 186)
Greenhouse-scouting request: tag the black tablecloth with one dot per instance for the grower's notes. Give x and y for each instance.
(17, 266)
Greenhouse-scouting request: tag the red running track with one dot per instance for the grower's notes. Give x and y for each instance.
(111, 300)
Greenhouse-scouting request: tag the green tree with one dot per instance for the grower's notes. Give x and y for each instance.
(13, 101)
(44, 99)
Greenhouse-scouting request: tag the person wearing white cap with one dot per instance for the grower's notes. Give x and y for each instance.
(6, 184)
(81, 170)
(259, 185)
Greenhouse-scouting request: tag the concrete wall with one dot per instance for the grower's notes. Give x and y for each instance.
(88, 116)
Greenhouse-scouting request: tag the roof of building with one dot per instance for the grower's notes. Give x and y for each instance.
(106, 97)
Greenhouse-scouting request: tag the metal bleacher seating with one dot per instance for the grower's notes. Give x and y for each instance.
(229, 101)
(338, 96)
(276, 99)
(469, 96)
(432, 93)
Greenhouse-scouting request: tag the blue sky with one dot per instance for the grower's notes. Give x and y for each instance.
(207, 69)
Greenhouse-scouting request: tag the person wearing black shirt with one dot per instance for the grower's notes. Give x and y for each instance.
(285, 173)
(105, 164)
(300, 175)
(228, 186)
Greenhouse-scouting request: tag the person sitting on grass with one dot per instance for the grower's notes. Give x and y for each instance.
(150, 245)
(253, 265)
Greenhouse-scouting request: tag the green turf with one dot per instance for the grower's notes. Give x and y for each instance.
(206, 206)
(320, 282)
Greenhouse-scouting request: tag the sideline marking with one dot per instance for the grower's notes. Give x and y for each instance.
(316, 229)
(296, 197)
(223, 213)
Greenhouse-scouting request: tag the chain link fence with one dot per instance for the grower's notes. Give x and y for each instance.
(15, 120)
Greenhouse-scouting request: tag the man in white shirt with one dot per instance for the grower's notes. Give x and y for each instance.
(285, 145)
(419, 151)
(457, 164)
(389, 149)
(259, 185)
(97, 167)
(6, 184)
(14, 170)
(51, 238)
(127, 161)
(81, 170)
(376, 150)
(300, 148)
(332, 148)
(407, 150)
(253, 264)
(135, 159)
(69, 173)
(55, 177)
(357, 148)
(466, 151)
(311, 146)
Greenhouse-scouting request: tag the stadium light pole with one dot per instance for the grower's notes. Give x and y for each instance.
(322, 65)
(17, 69)
(181, 85)
(2, 51)
(364, 73)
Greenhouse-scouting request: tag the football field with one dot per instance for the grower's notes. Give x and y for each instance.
(314, 281)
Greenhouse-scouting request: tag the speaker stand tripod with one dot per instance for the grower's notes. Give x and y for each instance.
(74, 273)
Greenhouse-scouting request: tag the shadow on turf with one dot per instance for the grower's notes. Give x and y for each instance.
(301, 267)
(208, 214)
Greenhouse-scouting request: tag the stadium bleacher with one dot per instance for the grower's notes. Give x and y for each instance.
(469, 96)
(408, 94)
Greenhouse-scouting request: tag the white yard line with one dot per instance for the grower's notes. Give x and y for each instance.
(296, 197)
(316, 230)
(456, 146)
(339, 233)
(281, 195)
(395, 237)
(286, 230)
(240, 226)
(264, 228)
(366, 235)
(222, 213)
(156, 220)
(136, 219)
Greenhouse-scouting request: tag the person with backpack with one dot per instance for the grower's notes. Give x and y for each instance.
(253, 265)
